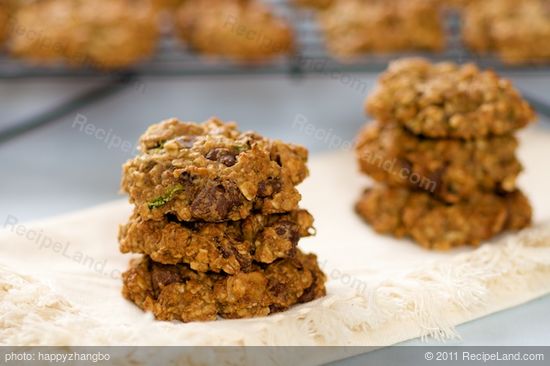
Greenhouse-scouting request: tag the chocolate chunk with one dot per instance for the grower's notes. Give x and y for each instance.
(163, 276)
(244, 261)
(223, 155)
(215, 201)
(225, 251)
(269, 187)
(277, 289)
(309, 293)
(288, 230)
(436, 180)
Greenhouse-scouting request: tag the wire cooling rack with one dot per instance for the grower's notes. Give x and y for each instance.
(174, 59)
(310, 57)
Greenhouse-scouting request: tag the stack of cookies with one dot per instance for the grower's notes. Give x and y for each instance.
(443, 150)
(217, 221)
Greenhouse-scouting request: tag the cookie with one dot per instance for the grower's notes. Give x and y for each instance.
(4, 20)
(241, 30)
(176, 292)
(314, 4)
(436, 225)
(107, 34)
(517, 31)
(167, 4)
(212, 172)
(450, 169)
(229, 247)
(354, 27)
(455, 4)
(446, 100)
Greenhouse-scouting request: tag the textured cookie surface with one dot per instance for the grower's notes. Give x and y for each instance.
(353, 27)
(4, 20)
(229, 247)
(175, 292)
(242, 30)
(101, 33)
(212, 172)
(315, 4)
(450, 169)
(437, 225)
(445, 100)
(518, 31)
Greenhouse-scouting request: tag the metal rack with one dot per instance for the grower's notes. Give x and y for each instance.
(173, 59)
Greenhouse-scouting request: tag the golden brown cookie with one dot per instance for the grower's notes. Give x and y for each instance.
(175, 292)
(212, 172)
(354, 27)
(450, 169)
(437, 225)
(314, 4)
(167, 4)
(445, 100)
(241, 30)
(457, 4)
(229, 247)
(104, 33)
(518, 31)
(5, 13)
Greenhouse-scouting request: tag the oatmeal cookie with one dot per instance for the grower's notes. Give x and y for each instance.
(212, 172)
(518, 31)
(314, 4)
(167, 4)
(456, 4)
(229, 247)
(436, 225)
(241, 30)
(353, 27)
(103, 33)
(175, 292)
(4, 20)
(451, 169)
(446, 100)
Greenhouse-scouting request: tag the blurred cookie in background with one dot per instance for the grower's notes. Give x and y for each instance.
(314, 4)
(106, 34)
(167, 4)
(354, 27)
(436, 225)
(517, 31)
(241, 30)
(4, 20)
(451, 169)
(456, 4)
(448, 100)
